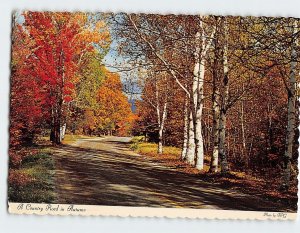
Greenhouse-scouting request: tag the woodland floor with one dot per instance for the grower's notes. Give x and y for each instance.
(104, 171)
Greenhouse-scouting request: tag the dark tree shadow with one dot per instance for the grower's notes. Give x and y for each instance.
(116, 177)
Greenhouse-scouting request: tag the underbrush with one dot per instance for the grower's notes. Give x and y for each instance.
(136, 141)
(33, 180)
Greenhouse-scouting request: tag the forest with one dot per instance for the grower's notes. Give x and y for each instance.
(222, 90)
(221, 87)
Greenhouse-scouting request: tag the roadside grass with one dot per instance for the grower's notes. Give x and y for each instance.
(33, 181)
(151, 148)
(170, 156)
(70, 138)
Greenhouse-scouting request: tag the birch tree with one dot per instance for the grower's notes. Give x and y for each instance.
(161, 116)
(277, 42)
(185, 129)
(156, 93)
(215, 100)
(291, 114)
(223, 97)
(202, 44)
(224, 106)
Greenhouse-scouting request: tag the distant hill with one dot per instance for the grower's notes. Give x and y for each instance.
(133, 106)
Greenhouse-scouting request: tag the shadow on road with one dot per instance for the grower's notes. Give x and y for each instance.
(107, 173)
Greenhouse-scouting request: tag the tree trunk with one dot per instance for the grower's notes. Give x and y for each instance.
(291, 115)
(52, 125)
(216, 122)
(56, 132)
(195, 96)
(57, 109)
(63, 131)
(202, 45)
(190, 154)
(55, 128)
(215, 106)
(289, 137)
(199, 152)
(222, 139)
(185, 130)
(243, 128)
(158, 115)
(160, 142)
(161, 129)
(161, 117)
(225, 95)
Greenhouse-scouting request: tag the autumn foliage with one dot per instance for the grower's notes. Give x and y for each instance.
(114, 113)
(108, 112)
(232, 90)
(58, 76)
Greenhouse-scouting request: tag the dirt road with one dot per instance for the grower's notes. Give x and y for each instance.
(104, 171)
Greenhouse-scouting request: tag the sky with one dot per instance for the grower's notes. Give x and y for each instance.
(115, 62)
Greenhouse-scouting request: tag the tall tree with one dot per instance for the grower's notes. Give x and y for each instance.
(114, 107)
(291, 114)
(27, 100)
(60, 41)
(144, 31)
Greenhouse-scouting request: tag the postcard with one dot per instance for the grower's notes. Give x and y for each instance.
(154, 115)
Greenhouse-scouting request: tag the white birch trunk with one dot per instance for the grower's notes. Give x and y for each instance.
(185, 130)
(63, 131)
(202, 46)
(222, 151)
(215, 129)
(159, 148)
(161, 118)
(215, 108)
(243, 132)
(190, 154)
(160, 140)
(225, 94)
(291, 114)
(161, 128)
(199, 159)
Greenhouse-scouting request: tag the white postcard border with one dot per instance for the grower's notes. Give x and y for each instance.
(122, 211)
